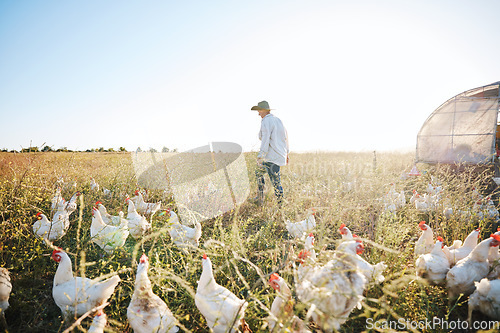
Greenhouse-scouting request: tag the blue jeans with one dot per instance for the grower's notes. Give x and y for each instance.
(273, 170)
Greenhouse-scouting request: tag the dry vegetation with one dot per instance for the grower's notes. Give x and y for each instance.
(246, 245)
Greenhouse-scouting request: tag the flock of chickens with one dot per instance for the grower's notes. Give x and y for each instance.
(330, 286)
(331, 290)
(468, 268)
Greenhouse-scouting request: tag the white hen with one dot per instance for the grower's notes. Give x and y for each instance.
(116, 220)
(183, 235)
(57, 201)
(77, 295)
(146, 208)
(334, 290)
(147, 312)
(71, 205)
(486, 299)
(425, 242)
(221, 308)
(372, 273)
(301, 228)
(458, 251)
(345, 232)
(460, 278)
(5, 289)
(94, 186)
(108, 237)
(138, 225)
(433, 266)
(282, 308)
(98, 323)
(50, 230)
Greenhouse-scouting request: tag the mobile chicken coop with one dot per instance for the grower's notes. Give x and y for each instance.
(463, 130)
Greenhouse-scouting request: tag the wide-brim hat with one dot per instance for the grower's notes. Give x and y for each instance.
(263, 105)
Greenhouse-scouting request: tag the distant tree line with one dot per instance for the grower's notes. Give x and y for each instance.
(92, 150)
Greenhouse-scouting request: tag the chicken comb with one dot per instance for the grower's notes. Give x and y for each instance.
(144, 258)
(98, 203)
(360, 248)
(39, 213)
(55, 255)
(136, 192)
(498, 229)
(304, 254)
(496, 237)
(440, 239)
(421, 223)
(311, 234)
(273, 277)
(478, 229)
(205, 256)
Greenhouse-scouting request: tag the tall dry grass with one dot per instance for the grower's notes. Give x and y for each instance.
(245, 245)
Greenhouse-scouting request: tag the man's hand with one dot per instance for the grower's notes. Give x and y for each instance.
(260, 160)
(287, 159)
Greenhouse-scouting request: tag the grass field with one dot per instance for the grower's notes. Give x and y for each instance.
(245, 244)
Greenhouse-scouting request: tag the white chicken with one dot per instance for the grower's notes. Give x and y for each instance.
(372, 273)
(393, 199)
(147, 312)
(309, 246)
(116, 220)
(221, 308)
(146, 208)
(413, 197)
(282, 308)
(457, 251)
(50, 230)
(71, 205)
(5, 289)
(494, 254)
(301, 228)
(422, 203)
(182, 235)
(334, 290)
(77, 295)
(493, 260)
(94, 186)
(433, 266)
(486, 299)
(108, 237)
(98, 323)
(460, 278)
(138, 225)
(57, 201)
(306, 258)
(425, 242)
(345, 232)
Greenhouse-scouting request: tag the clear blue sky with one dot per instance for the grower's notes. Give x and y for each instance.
(342, 75)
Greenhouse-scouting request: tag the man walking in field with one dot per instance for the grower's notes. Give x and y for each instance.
(273, 152)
